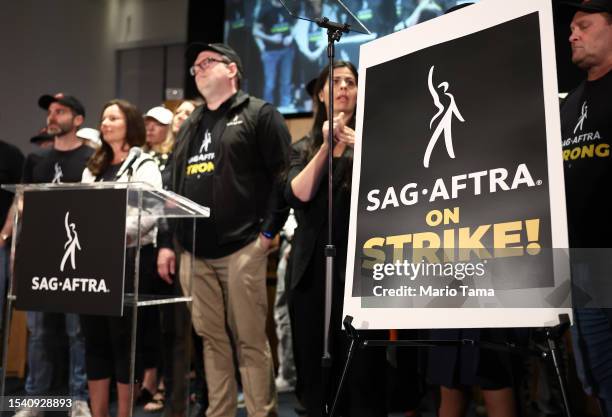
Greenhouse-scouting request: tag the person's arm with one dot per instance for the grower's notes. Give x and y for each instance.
(273, 140)
(414, 17)
(359, 38)
(7, 228)
(300, 34)
(24, 177)
(346, 135)
(146, 171)
(288, 38)
(166, 264)
(87, 176)
(15, 174)
(260, 35)
(306, 183)
(166, 257)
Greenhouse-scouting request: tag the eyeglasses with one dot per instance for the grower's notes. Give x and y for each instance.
(205, 63)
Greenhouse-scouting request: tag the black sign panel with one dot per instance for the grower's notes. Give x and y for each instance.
(462, 170)
(70, 255)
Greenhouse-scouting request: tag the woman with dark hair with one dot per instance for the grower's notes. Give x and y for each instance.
(122, 127)
(306, 191)
(107, 339)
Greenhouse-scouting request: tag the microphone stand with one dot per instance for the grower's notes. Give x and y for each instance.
(334, 33)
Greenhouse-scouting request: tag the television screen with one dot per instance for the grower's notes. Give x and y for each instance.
(281, 54)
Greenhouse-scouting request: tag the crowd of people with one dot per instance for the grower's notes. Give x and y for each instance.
(232, 152)
(282, 54)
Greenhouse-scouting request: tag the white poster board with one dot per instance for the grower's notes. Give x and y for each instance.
(458, 206)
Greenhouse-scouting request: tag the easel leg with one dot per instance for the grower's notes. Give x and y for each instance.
(354, 345)
(553, 335)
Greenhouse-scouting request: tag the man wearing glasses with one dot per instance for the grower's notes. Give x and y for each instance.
(229, 155)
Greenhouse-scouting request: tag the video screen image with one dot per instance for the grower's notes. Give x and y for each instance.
(281, 54)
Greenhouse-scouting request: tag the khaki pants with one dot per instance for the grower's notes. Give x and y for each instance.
(230, 300)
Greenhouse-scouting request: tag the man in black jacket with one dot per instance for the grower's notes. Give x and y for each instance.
(229, 156)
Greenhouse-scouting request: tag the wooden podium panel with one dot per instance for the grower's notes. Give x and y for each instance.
(18, 346)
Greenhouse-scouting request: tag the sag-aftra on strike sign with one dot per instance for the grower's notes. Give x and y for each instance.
(458, 208)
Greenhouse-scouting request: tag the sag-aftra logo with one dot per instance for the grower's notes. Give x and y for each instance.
(444, 126)
(71, 246)
(498, 179)
(589, 142)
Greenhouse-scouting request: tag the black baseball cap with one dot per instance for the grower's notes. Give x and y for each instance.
(42, 136)
(194, 49)
(69, 101)
(591, 6)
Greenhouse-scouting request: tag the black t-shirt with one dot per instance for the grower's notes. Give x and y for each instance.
(111, 173)
(51, 165)
(199, 179)
(274, 20)
(11, 167)
(586, 128)
(236, 18)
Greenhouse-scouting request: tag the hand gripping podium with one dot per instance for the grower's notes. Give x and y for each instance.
(77, 249)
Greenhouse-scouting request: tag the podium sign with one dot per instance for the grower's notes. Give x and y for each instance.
(458, 194)
(70, 256)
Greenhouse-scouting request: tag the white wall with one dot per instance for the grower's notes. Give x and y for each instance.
(69, 46)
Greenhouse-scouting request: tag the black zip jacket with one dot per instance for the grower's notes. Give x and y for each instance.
(247, 189)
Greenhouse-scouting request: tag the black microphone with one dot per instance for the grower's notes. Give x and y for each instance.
(132, 156)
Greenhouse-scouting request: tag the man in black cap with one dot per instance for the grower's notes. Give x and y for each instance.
(229, 157)
(64, 162)
(586, 128)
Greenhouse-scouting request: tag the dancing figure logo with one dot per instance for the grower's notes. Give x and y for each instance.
(57, 177)
(583, 116)
(71, 245)
(444, 122)
(207, 140)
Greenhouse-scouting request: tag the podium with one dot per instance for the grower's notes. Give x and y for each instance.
(76, 248)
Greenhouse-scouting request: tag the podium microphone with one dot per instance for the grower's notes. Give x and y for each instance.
(132, 156)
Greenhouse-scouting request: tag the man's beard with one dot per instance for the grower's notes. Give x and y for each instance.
(60, 129)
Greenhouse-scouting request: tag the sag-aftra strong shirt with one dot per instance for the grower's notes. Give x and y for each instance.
(586, 128)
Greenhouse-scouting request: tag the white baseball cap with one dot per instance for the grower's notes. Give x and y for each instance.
(89, 133)
(161, 114)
